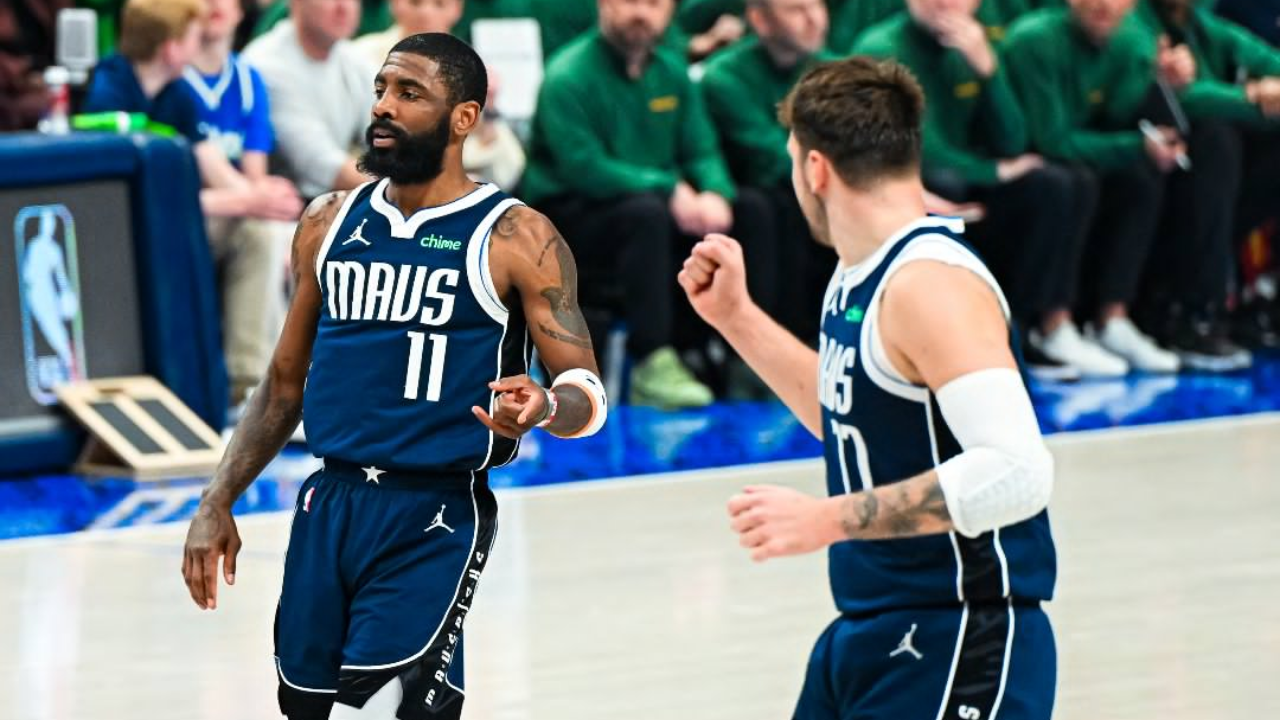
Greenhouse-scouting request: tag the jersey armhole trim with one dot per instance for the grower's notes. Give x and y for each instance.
(938, 248)
(478, 275)
(334, 226)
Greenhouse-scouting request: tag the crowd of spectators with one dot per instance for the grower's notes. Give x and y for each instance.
(1118, 161)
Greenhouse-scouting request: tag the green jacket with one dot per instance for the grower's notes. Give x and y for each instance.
(1225, 53)
(743, 87)
(1081, 101)
(560, 21)
(849, 18)
(697, 16)
(599, 134)
(969, 123)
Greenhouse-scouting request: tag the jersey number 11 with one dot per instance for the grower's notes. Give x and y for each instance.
(435, 372)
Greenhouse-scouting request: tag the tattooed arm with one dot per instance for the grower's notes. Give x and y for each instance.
(272, 413)
(931, 344)
(532, 265)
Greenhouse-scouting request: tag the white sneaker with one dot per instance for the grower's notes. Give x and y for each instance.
(1066, 345)
(1122, 337)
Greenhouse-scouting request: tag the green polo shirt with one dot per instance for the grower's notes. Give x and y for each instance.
(743, 87)
(1081, 101)
(597, 133)
(560, 21)
(1224, 53)
(969, 122)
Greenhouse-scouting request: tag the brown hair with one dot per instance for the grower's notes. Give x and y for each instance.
(147, 24)
(863, 114)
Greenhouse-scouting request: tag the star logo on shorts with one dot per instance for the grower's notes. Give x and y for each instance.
(371, 474)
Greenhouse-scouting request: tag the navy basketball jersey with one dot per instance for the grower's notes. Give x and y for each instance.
(880, 429)
(411, 332)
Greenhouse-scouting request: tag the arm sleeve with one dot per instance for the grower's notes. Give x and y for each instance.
(570, 134)
(749, 127)
(1005, 473)
(699, 149)
(259, 137)
(1049, 121)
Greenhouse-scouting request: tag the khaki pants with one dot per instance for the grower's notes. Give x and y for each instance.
(249, 257)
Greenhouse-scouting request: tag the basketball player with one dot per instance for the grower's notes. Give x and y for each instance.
(406, 348)
(939, 544)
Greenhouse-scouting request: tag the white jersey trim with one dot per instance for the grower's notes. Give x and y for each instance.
(478, 274)
(405, 228)
(211, 96)
(333, 230)
(955, 662)
(285, 680)
(879, 367)
(1004, 670)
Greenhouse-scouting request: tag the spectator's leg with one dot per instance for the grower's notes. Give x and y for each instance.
(755, 226)
(804, 267)
(251, 262)
(1121, 239)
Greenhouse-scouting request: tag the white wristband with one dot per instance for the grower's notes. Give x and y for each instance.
(590, 385)
(553, 404)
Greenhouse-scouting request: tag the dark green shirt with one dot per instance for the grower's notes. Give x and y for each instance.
(1081, 101)
(599, 134)
(743, 87)
(698, 16)
(560, 21)
(1225, 54)
(969, 122)
(850, 18)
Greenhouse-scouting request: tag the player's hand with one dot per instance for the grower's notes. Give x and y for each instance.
(212, 535)
(715, 279)
(774, 521)
(519, 407)
(717, 214)
(1014, 168)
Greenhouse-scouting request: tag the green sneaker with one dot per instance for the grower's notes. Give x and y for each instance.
(661, 380)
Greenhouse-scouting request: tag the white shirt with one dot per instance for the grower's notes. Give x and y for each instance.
(319, 108)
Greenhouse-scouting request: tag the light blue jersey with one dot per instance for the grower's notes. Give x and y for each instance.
(235, 111)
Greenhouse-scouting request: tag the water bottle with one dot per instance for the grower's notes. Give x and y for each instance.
(56, 79)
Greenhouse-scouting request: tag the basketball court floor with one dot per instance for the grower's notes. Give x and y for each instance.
(629, 599)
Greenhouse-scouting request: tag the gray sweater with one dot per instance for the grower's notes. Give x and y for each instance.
(319, 109)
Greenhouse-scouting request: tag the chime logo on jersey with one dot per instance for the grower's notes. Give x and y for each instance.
(49, 292)
(390, 293)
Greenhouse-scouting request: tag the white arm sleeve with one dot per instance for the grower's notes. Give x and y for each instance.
(1005, 473)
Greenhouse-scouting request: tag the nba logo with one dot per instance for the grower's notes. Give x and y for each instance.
(49, 291)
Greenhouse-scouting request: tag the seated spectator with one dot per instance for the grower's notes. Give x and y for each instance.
(975, 149)
(26, 49)
(320, 94)
(158, 39)
(1087, 76)
(743, 86)
(412, 17)
(492, 152)
(625, 161)
(250, 250)
(850, 18)
(1237, 79)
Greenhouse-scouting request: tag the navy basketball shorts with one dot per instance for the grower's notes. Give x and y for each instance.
(972, 662)
(380, 574)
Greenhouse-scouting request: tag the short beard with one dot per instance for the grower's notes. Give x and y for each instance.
(414, 159)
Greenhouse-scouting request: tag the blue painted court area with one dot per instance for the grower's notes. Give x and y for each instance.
(636, 442)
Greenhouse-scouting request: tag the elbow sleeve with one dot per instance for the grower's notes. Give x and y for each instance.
(1005, 473)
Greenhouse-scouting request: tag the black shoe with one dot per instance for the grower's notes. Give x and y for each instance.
(1200, 340)
(1256, 324)
(1044, 368)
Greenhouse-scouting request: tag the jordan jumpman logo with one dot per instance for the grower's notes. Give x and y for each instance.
(438, 522)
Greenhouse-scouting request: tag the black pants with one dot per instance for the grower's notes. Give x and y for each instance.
(1260, 184)
(1032, 237)
(630, 251)
(804, 267)
(1120, 241)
